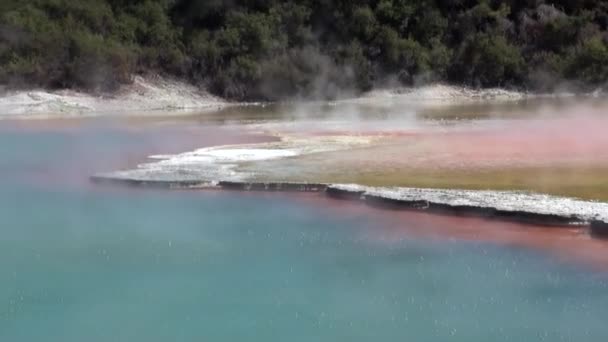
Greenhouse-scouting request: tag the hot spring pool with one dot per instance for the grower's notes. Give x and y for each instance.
(80, 263)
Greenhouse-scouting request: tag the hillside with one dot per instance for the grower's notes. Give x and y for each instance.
(257, 49)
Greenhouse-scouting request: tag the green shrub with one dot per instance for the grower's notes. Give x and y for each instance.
(364, 23)
(488, 60)
(96, 63)
(271, 49)
(308, 73)
(440, 57)
(590, 62)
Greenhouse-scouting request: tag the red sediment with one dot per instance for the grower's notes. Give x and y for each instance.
(573, 140)
(568, 245)
(366, 133)
(582, 140)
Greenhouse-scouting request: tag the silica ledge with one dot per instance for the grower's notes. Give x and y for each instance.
(521, 207)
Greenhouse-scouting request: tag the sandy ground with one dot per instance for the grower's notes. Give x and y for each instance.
(440, 94)
(222, 162)
(156, 94)
(144, 96)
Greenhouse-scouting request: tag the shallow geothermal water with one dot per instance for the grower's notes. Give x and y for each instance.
(551, 146)
(86, 263)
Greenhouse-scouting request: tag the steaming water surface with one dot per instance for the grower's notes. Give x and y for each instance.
(80, 263)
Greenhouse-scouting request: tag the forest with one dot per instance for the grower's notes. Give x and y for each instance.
(272, 49)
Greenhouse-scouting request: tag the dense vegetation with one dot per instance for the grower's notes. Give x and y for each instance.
(252, 49)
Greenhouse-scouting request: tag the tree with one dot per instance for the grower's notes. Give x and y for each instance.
(487, 60)
(272, 49)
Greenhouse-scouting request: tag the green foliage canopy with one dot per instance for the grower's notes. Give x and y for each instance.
(272, 49)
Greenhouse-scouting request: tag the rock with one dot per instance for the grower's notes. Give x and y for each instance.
(543, 219)
(344, 194)
(599, 229)
(272, 186)
(393, 203)
(380, 201)
(497, 205)
(149, 183)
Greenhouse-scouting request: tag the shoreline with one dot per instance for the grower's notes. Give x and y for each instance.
(145, 96)
(592, 229)
(570, 244)
(492, 205)
(274, 167)
(157, 96)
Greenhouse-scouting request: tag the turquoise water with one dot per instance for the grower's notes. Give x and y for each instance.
(80, 263)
